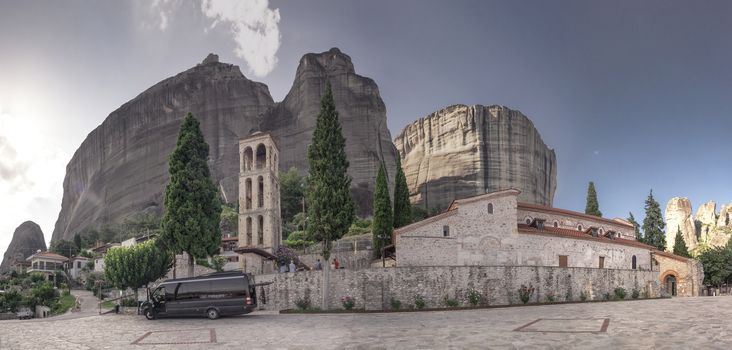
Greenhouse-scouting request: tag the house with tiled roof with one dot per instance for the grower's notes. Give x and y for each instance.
(47, 263)
(494, 229)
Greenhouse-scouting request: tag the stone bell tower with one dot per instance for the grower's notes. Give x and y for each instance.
(259, 203)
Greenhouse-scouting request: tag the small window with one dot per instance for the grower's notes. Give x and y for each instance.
(633, 263)
(601, 231)
(602, 262)
(579, 227)
(490, 208)
(445, 231)
(556, 224)
(563, 261)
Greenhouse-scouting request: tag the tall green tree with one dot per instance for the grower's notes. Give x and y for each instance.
(383, 222)
(653, 224)
(331, 209)
(636, 226)
(680, 248)
(292, 192)
(402, 206)
(135, 266)
(717, 264)
(592, 207)
(192, 207)
(329, 203)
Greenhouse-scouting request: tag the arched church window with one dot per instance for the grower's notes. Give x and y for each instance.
(490, 208)
(579, 227)
(261, 156)
(556, 224)
(445, 231)
(260, 230)
(528, 220)
(633, 263)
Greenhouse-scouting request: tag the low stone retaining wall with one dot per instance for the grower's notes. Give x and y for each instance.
(374, 288)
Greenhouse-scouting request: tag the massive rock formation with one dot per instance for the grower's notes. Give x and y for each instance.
(678, 218)
(462, 151)
(121, 169)
(703, 230)
(361, 112)
(27, 239)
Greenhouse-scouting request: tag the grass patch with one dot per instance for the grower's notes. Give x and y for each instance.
(64, 303)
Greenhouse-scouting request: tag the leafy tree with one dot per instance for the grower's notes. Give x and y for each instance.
(64, 247)
(135, 266)
(592, 207)
(292, 191)
(383, 222)
(42, 294)
(229, 219)
(636, 226)
(653, 224)
(78, 241)
(331, 209)
(680, 248)
(402, 206)
(192, 207)
(717, 263)
(12, 299)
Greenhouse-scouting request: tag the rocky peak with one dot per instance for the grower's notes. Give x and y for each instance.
(27, 239)
(331, 62)
(211, 58)
(678, 218)
(707, 213)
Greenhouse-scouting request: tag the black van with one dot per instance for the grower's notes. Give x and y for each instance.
(213, 295)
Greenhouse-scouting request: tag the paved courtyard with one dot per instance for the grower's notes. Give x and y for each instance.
(692, 323)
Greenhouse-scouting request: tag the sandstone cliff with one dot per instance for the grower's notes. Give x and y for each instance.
(27, 239)
(361, 111)
(462, 151)
(121, 167)
(704, 229)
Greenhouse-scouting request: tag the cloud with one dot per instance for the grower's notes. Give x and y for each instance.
(254, 28)
(31, 176)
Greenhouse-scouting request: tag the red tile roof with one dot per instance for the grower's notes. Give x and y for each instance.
(229, 239)
(537, 207)
(670, 255)
(48, 255)
(563, 232)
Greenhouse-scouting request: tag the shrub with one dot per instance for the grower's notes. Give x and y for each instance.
(550, 296)
(583, 296)
(348, 302)
(525, 293)
(635, 294)
(451, 302)
(619, 293)
(303, 303)
(128, 302)
(419, 302)
(395, 304)
(606, 296)
(474, 297)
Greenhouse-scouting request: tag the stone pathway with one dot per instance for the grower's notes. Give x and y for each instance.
(679, 323)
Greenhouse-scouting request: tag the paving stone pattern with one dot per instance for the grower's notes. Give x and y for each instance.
(694, 323)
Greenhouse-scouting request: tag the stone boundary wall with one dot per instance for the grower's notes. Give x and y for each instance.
(374, 288)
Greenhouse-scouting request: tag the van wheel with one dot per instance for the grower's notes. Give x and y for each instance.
(212, 313)
(150, 314)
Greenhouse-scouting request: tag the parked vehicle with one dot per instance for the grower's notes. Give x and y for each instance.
(213, 295)
(24, 314)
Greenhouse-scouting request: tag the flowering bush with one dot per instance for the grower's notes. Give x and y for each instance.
(525, 293)
(284, 255)
(348, 302)
(474, 297)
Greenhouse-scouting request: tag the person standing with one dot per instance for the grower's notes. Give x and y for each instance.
(336, 263)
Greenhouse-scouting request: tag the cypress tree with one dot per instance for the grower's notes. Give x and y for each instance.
(192, 207)
(383, 221)
(330, 211)
(592, 207)
(680, 248)
(636, 227)
(653, 224)
(402, 206)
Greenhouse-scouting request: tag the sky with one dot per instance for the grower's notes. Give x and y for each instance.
(633, 95)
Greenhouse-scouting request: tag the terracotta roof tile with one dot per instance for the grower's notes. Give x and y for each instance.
(555, 231)
(537, 207)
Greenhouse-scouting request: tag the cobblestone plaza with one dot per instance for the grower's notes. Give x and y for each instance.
(645, 324)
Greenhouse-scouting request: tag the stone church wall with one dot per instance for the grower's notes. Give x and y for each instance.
(689, 275)
(374, 288)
